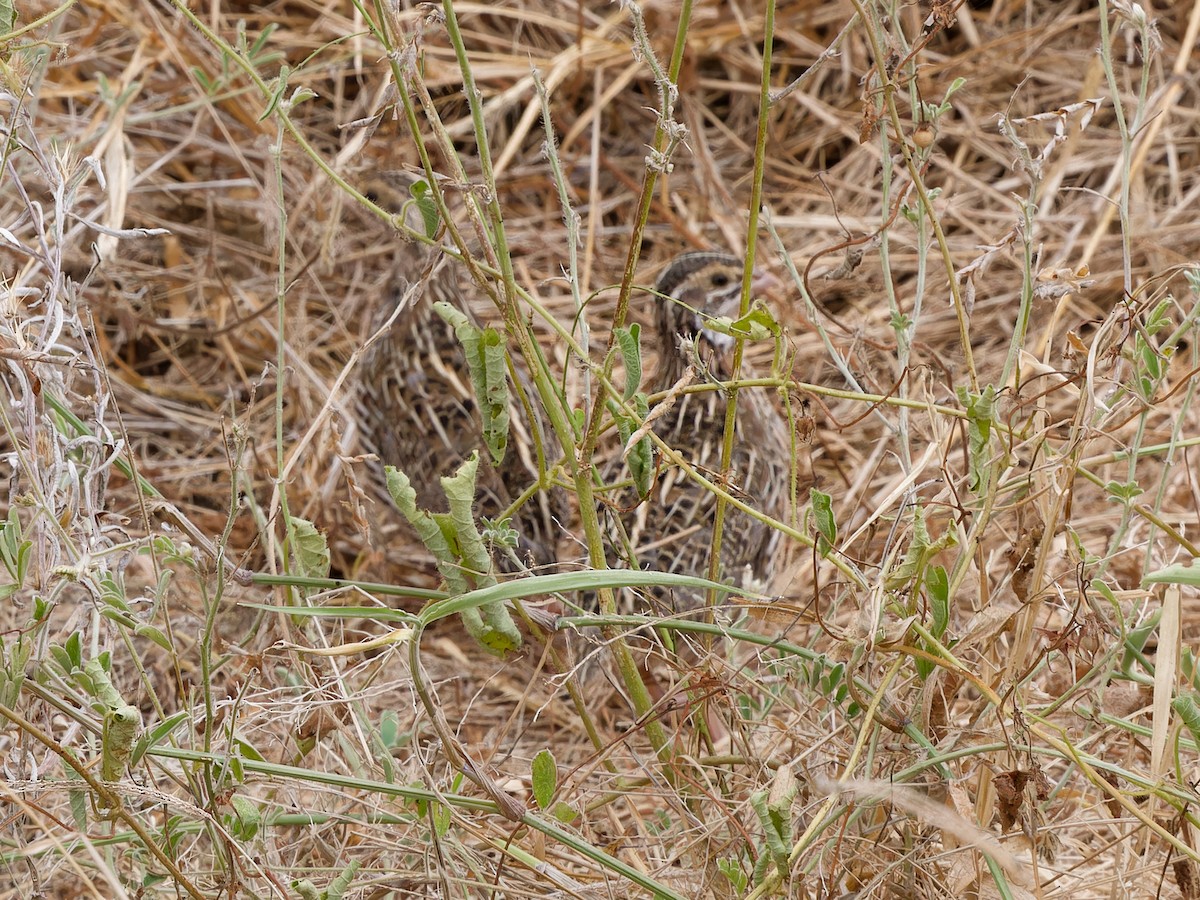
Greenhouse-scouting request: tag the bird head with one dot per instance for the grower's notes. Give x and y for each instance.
(700, 286)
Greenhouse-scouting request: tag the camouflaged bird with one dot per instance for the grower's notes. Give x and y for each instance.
(672, 529)
(416, 404)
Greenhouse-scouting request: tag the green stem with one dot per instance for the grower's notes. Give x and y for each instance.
(739, 340)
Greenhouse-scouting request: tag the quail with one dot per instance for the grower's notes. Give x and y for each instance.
(671, 530)
(416, 405)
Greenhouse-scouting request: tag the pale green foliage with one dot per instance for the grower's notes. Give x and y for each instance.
(462, 557)
(484, 349)
(310, 549)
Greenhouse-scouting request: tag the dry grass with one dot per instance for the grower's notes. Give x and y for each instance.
(198, 309)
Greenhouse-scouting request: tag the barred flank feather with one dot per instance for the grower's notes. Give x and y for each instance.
(672, 529)
(416, 404)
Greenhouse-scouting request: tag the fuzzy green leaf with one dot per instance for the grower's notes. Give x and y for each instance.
(1179, 573)
(121, 727)
(339, 886)
(920, 550)
(484, 350)
(154, 635)
(96, 681)
(14, 549)
(640, 458)
(544, 774)
(278, 86)
(629, 343)
(309, 549)
(426, 206)
(822, 507)
(565, 813)
(757, 325)
(981, 414)
(77, 800)
(459, 549)
(441, 819)
(1123, 492)
(156, 735)
(1186, 708)
(730, 868)
(246, 818)
(427, 528)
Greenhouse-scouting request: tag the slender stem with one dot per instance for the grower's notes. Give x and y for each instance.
(739, 341)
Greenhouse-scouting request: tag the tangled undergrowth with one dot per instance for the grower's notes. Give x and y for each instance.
(228, 669)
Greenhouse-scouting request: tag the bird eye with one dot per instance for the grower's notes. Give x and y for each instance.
(720, 280)
(372, 195)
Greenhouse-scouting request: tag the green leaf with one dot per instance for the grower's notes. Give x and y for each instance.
(545, 778)
(389, 728)
(921, 549)
(459, 549)
(1123, 492)
(484, 349)
(14, 549)
(246, 818)
(154, 635)
(441, 819)
(564, 813)
(173, 832)
(1186, 708)
(937, 586)
(256, 53)
(115, 615)
(640, 457)
(338, 887)
(121, 728)
(981, 414)
(1179, 573)
(822, 507)
(499, 533)
(629, 343)
(156, 735)
(757, 325)
(112, 592)
(15, 657)
(732, 870)
(426, 206)
(78, 803)
(309, 548)
(247, 750)
(300, 95)
(8, 16)
(278, 85)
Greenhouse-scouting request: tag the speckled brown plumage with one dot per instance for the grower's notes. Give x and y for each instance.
(416, 404)
(672, 530)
